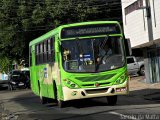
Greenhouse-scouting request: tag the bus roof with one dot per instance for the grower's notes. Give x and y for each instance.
(58, 29)
(87, 23)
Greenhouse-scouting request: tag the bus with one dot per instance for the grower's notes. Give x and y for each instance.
(78, 61)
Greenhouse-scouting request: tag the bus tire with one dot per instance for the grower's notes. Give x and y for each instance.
(112, 100)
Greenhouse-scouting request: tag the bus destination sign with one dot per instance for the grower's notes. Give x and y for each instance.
(90, 30)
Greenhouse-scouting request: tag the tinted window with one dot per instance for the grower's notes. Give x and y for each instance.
(30, 56)
(90, 30)
(130, 60)
(45, 51)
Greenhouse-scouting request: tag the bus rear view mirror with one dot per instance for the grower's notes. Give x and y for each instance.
(128, 48)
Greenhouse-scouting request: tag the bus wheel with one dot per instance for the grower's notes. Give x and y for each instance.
(112, 100)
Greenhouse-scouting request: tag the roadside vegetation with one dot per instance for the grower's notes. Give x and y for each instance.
(23, 20)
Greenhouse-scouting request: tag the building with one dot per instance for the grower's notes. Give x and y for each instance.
(141, 22)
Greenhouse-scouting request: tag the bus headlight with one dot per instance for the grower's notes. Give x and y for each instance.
(121, 79)
(70, 84)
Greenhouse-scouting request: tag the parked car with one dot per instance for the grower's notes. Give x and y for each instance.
(135, 66)
(3, 80)
(27, 74)
(18, 79)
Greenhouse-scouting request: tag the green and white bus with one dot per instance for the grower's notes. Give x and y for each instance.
(72, 62)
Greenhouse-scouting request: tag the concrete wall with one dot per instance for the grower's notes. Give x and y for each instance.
(142, 28)
(155, 12)
(136, 23)
(135, 26)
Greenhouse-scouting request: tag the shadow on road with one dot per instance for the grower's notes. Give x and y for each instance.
(2, 88)
(137, 97)
(29, 105)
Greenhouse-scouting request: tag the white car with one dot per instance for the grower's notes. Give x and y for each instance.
(134, 66)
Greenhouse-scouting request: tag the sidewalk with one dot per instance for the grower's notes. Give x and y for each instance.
(149, 91)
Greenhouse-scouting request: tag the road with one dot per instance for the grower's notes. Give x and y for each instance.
(24, 105)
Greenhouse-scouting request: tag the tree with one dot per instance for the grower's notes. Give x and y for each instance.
(24, 20)
(4, 64)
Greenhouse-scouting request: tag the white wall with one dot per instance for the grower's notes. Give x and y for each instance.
(135, 23)
(156, 19)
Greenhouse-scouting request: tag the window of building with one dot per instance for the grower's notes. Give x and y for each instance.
(134, 6)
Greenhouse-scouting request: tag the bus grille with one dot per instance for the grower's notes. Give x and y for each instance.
(95, 78)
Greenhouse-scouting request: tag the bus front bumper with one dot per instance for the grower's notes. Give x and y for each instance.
(71, 94)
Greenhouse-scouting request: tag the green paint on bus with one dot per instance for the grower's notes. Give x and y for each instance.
(77, 61)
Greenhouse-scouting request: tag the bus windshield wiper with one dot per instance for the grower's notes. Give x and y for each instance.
(101, 47)
(79, 46)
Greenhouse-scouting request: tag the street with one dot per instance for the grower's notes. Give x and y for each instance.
(76, 51)
(141, 103)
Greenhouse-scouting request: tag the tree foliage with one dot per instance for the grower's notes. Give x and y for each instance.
(4, 64)
(23, 20)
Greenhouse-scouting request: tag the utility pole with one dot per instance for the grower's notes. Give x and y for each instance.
(149, 20)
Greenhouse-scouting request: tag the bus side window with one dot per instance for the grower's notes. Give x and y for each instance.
(41, 53)
(45, 51)
(37, 54)
(30, 56)
(49, 50)
(43, 59)
(52, 50)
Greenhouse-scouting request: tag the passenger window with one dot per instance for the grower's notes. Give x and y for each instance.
(45, 51)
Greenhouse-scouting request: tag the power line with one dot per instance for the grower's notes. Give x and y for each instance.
(99, 7)
(19, 31)
(20, 18)
(73, 4)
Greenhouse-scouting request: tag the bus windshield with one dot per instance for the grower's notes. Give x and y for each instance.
(92, 54)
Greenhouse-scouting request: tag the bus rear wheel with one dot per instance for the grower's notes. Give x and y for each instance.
(112, 100)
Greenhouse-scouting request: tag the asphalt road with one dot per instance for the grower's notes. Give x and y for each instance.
(24, 105)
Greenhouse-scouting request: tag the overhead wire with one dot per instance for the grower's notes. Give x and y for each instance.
(99, 10)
